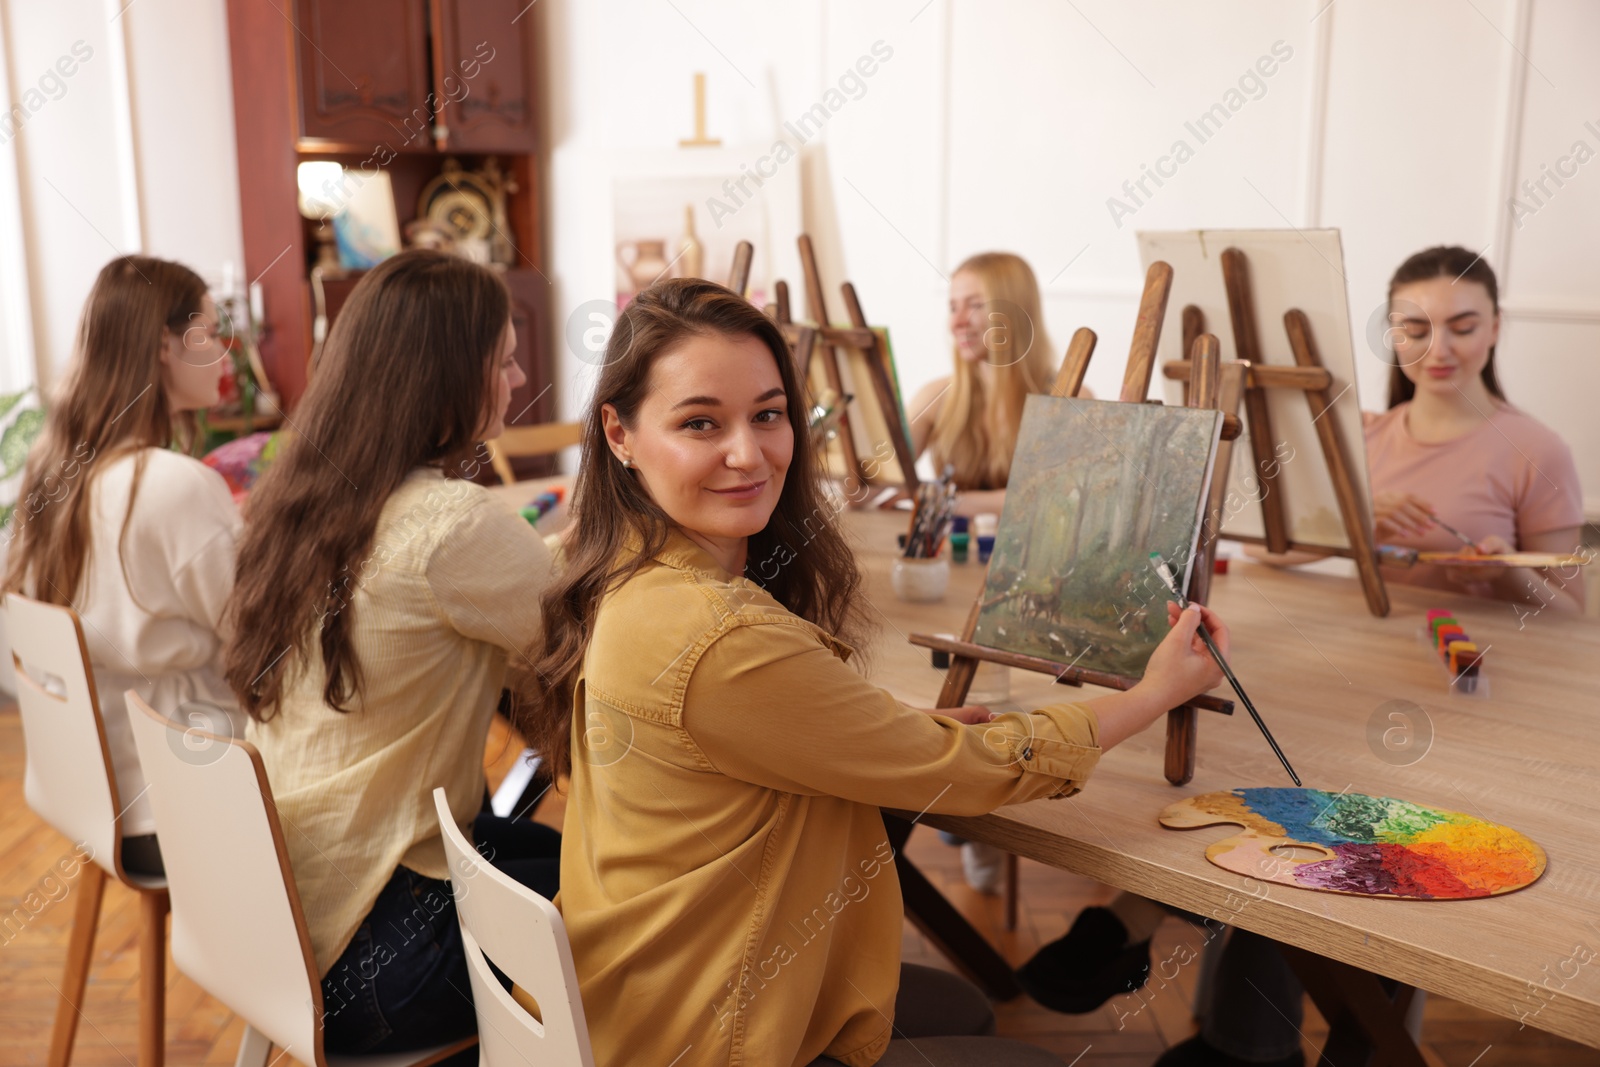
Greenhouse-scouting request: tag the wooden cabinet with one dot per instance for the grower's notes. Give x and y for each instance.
(484, 75)
(416, 75)
(364, 74)
(396, 85)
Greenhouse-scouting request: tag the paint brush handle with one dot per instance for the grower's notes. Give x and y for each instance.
(1227, 672)
(1216, 654)
(1453, 532)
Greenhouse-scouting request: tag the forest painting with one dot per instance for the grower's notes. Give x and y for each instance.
(1095, 487)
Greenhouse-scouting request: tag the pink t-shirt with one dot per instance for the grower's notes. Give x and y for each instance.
(1511, 476)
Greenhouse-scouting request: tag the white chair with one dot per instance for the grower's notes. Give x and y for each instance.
(237, 926)
(524, 935)
(71, 783)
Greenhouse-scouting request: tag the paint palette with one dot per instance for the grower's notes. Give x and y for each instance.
(1503, 559)
(1361, 845)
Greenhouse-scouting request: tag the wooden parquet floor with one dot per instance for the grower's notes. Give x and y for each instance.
(1128, 1032)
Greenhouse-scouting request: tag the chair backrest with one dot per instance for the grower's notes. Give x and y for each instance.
(70, 781)
(543, 440)
(237, 926)
(523, 934)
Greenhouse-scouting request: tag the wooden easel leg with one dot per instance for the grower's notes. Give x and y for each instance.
(80, 948)
(888, 403)
(1182, 741)
(1352, 508)
(1365, 1013)
(153, 909)
(1242, 313)
(947, 928)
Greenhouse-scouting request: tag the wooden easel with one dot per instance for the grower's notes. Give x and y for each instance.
(739, 276)
(1212, 386)
(1312, 378)
(807, 339)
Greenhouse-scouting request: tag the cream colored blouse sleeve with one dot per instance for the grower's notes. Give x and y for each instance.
(487, 576)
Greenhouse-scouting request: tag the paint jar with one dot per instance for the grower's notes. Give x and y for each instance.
(959, 539)
(985, 526)
(920, 581)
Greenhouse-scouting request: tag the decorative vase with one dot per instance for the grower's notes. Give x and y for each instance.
(691, 253)
(648, 264)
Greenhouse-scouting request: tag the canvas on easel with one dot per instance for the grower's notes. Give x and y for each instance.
(1095, 487)
(1214, 385)
(1302, 481)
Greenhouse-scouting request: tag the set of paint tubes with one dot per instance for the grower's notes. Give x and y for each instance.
(1460, 656)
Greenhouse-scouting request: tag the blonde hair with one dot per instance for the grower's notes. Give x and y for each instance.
(976, 430)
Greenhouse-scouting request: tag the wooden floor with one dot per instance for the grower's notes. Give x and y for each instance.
(1128, 1032)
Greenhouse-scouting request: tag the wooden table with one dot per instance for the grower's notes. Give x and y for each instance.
(1324, 672)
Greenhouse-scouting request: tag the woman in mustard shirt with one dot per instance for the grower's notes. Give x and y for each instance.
(727, 884)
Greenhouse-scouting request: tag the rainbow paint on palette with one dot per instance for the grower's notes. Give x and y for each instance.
(1368, 846)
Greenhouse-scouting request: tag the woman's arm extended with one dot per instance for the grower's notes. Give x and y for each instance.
(769, 705)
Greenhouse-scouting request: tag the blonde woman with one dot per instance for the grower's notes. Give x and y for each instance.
(970, 419)
(1001, 354)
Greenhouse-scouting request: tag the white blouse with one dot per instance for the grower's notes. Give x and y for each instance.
(151, 621)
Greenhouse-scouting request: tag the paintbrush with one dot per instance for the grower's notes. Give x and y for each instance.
(1453, 532)
(1227, 671)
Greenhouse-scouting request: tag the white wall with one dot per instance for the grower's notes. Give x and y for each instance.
(1009, 125)
(133, 152)
(993, 125)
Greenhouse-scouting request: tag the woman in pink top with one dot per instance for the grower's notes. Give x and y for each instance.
(1451, 447)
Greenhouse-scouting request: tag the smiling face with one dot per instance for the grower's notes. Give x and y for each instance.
(711, 441)
(1443, 330)
(967, 319)
(508, 377)
(191, 361)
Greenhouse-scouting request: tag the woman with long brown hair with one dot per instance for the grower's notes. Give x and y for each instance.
(136, 537)
(377, 606)
(727, 882)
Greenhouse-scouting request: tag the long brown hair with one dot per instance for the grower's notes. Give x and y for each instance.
(112, 402)
(817, 579)
(975, 430)
(403, 382)
(1443, 261)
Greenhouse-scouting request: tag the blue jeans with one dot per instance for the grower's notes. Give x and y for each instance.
(402, 983)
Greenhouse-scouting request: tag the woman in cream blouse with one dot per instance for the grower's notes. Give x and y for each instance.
(727, 883)
(377, 607)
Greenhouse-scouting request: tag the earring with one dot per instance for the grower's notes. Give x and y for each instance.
(628, 463)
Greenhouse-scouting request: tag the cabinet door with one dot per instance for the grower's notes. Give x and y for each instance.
(485, 64)
(364, 79)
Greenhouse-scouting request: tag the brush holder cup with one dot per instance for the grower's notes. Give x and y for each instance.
(920, 581)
